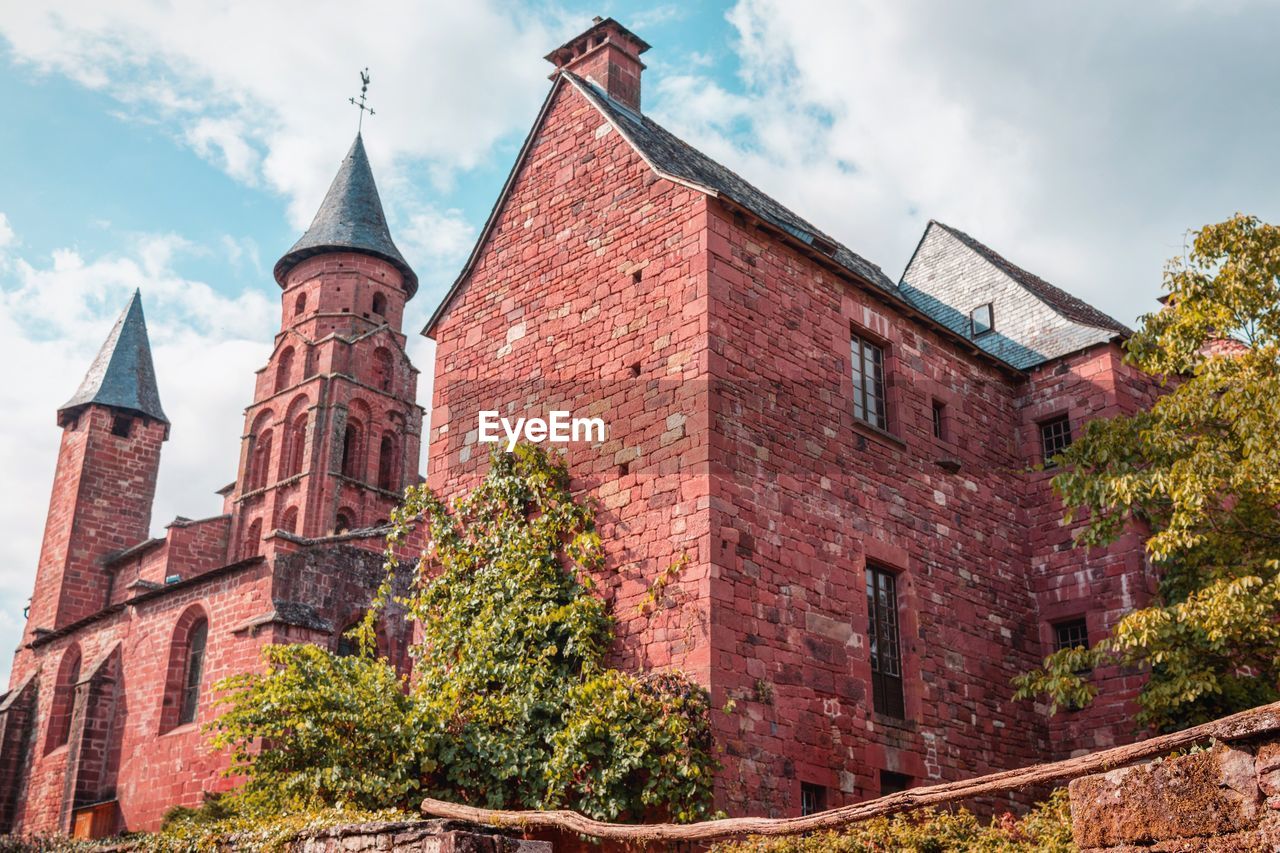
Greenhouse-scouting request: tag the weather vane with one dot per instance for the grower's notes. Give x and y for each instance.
(360, 104)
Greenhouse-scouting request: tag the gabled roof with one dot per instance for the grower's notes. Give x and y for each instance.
(350, 219)
(122, 375)
(1076, 310)
(674, 157)
(676, 160)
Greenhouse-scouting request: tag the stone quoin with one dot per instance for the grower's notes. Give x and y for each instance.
(850, 470)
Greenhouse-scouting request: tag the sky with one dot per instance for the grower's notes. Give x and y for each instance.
(181, 148)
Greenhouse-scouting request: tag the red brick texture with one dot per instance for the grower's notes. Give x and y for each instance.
(718, 351)
(94, 714)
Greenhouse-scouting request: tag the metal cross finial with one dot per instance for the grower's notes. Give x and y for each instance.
(360, 104)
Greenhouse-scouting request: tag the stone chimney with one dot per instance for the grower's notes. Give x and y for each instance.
(607, 55)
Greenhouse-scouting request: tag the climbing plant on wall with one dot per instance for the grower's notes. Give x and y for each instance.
(511, 705)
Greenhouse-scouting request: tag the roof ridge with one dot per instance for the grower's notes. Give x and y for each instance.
(1066, 304)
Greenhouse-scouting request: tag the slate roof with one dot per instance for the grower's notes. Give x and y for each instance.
(668, 153)
(1056, 298)
(350, 219)
(122, 375)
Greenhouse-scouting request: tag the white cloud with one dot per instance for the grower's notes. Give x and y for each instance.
(261, 89)
(54, 314)
(1081, 142)
(6, 232)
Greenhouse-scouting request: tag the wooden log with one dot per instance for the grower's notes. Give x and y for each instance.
(1245, 724)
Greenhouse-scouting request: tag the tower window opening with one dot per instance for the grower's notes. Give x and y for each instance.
(387, 463)
(342, 524)
(300, 304)
(351, 452)
(120, 426)
(379, 304)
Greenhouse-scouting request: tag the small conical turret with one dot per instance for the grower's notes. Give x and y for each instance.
(350, 220)
(122, 376)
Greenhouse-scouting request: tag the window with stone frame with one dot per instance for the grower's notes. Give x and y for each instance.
(1071, 634)
(195, 672)
(867, 368)
(883, 640)
(1055, 437)
(813, 798)
(892, 783)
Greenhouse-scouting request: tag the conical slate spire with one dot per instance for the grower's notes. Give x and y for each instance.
(349, 220)
(122, 376)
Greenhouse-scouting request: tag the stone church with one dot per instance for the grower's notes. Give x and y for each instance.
(844, 478)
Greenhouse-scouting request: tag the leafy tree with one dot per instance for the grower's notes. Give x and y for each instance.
(332, 730)
(511, 703)
(1200, 470)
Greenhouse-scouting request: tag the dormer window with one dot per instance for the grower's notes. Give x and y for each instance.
(981, 320)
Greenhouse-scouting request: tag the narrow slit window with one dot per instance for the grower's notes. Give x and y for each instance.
(882, 633)
(867, 360)
(939, 420)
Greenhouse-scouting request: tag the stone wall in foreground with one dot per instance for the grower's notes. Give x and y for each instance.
(1221, 800)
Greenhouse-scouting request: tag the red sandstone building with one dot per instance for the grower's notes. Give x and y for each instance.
(851, 469)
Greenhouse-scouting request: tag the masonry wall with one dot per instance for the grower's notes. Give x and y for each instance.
(1098, 584)
(804, 496)
(590, 297)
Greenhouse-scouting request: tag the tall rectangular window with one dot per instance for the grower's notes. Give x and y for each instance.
(882, 634)
(1055, 437)
(939, 420)
(867, 360)
(194, 674)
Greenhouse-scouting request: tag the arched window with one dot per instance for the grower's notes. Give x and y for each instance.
(252, 539)
(300, 304)
(64, 699)
(295, 447)
(379, 304)
(260, 464)
(382, 368)
(351, 466)
(284, 369)
(195, 672)
(387, 463)
(289, 521)
(347, 646)
(343, 523)
(188, 651)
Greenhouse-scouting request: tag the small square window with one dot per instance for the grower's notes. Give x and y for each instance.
(1055, 437)
(939, 420)
(1072, 634)
(813, 798)
(120, 425)
(892, 783)
(982, 320)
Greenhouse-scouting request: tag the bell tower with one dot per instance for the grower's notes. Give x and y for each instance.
(332, 437)
(105, 480)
